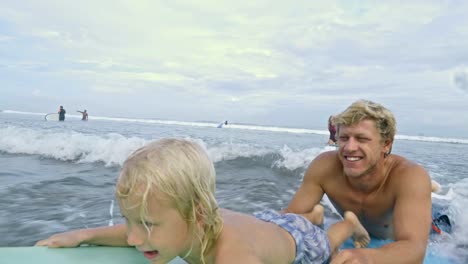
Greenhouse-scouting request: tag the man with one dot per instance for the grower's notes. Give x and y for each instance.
(84, 115)
(390, 194)
(61, 113)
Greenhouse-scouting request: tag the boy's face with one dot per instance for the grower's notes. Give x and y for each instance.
(168, 235)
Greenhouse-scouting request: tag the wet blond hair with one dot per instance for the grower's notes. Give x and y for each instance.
(367, 110)
(182, 171)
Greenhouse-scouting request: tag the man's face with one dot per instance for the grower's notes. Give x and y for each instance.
(360, 148)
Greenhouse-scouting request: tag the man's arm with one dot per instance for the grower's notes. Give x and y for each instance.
(411, 223)
(310, 192)
(103, 236)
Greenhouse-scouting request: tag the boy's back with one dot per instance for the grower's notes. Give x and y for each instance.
(244, 236)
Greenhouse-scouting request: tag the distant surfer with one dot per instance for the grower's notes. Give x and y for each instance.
(61, 113)
(332, 130)
(85, 115)
(222, 124)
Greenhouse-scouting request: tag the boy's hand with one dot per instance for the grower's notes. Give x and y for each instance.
(67, 239)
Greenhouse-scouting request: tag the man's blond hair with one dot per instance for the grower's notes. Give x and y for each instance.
(367, 110)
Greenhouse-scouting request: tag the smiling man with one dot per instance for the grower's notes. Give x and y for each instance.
(390, 194)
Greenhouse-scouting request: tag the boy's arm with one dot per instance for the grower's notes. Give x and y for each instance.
(104, 236)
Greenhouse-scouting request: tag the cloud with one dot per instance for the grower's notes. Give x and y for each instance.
(269, 62)
(460, 79)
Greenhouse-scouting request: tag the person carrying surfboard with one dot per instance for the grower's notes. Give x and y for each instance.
(166, 193)
(390, 194)
(61, 113)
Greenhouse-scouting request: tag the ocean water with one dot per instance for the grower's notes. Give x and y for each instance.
(60, 176)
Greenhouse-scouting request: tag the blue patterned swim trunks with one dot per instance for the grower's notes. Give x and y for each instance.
(312, 245)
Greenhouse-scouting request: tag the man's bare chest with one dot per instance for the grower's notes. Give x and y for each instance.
(375, 212)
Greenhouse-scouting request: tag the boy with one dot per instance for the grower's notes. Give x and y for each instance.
(166, 194)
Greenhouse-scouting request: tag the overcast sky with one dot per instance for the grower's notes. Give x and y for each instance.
(285, 63)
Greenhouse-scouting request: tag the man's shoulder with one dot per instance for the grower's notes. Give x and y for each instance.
(405, 170)
(324, 166)
(327, 156)
(400, 163)
(326, 160)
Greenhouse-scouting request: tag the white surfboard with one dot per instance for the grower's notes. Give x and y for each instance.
(51, 117)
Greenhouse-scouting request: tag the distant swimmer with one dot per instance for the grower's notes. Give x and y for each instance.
(332, 130)
(61, 113)
(85, 115)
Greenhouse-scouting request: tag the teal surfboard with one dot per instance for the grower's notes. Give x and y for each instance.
(430, 258)
(125, 255)
(79, 255)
